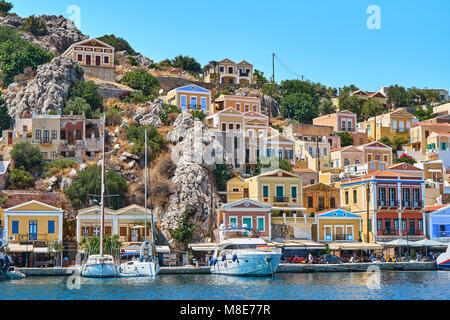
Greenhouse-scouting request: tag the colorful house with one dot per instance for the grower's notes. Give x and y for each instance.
(95, 57)
(341, 121)
(189, 98)
(439, 224)
(250, 213)
(376, 151)
(391, 125)
(438, 148)
(127, 223)
(346, 156)
(337, 225)
(319, 197)
(228, 71)
(240, 103)
(30, 228)
(419, 134)
(280, 147)
(391, 203)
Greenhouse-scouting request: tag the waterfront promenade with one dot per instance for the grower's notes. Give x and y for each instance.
(282, 268)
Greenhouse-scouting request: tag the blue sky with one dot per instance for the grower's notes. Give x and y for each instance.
(327, 41)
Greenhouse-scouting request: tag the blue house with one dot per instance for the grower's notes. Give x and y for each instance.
(439, 224)
(189, 98)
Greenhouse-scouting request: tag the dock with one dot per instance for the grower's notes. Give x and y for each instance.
(282, 268)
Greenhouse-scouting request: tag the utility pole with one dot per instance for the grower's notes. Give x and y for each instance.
(367, 217)
(375, 131)
(273, 67)
(317, 154)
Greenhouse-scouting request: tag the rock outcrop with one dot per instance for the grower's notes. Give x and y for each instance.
(49, 89)
(193, 181)
(61, 32)
(140, 59)
(148, 115)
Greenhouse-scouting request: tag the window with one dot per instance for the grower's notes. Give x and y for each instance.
(63, 135)
(38, 134)
(46, 136)
(343, 125)
(289, 154)
(183, 102)
(233, 221)
(53, 154)
(247, 108)
(382, 195)
(203, 103)
(250, 134)
(406, 197)
(260, 223)
(369, 157)
(385, 157)
(420, 224)
(80, 57)
(123, 231)
(380, 224)
(221, 69)
(370, 224)
(51, 227)
(310, 202)
(392, 197)
(254, 108)
(294, 192)
(381, 166)
(395, 225)
(350, 125)
(15, 227)
(96, 231)
(443, 145)
(247, 221)
(377, 157)
(238, 106)
(108, 230)
(78, 134)
(321, 203)
(310, 150)
(54, 134)
(372, 166)
(325, 151)
(238, 127)
(224, 126)
(265, 191)
(231, 126)
(311, 181)
(332, 202)
(355, 196)
(403, 224)
(230, 69)
(346, 162)
(193, 103)
(346, 197)
(85, 231)
(394, 124)
(416, 197)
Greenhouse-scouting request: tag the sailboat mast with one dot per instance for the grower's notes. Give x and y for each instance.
(145, 202)
(151, 212)
(102, 220)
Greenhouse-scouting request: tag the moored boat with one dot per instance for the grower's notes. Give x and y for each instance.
(99, 266)
(243, 255)
(443, 261)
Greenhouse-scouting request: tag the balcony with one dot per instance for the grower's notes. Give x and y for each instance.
(281, 199)
(389, 232)
(343, 237)
(441, 234)
(412, 204)
(29, 238)
(388, 203)
(244, 74)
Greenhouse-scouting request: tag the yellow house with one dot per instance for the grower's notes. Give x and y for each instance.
(189, 98)
(337, 225)
(391, 125)
(420, 132)
(376, 151)
(228, 120)
(280, 147)
(237, 189)
(240, 103)
(346, 156)
(127, 223)
(228, 71)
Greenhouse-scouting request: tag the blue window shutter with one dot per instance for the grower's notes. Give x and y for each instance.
(51, 226)
(203, 104)
(183, 103)
(15, 227)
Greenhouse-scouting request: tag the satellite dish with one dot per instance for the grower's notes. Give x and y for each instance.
(161, 91)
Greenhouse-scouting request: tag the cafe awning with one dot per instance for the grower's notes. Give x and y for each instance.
(15, 247)
(162, 249)
(297, 244)
(355, 246)
(202, 246)
(40, 250)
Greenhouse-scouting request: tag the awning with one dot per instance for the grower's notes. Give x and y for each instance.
(288, 209)
(355, 246)
(15, 247)
(136, 250)
(202, 246)
(434, 170)
(40, 250)
(297, 244)
(162, 249)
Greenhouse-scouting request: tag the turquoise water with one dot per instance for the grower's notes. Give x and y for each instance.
(337, 286)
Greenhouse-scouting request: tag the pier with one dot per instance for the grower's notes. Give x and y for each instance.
(282, 268)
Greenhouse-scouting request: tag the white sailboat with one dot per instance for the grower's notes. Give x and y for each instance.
(101, 265)
(147, 265)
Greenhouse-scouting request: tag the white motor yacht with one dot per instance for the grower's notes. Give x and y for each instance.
(443, 261)
(98, 266)
(241, 254)
(146, 266)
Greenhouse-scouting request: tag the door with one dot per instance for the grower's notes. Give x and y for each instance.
(339, 232)
(328, 233)
(88, 60)
(183, 103)
(387, 226)
(203, 104)
(193, 105)
(32, 229)
(10, 137)
(97, 61)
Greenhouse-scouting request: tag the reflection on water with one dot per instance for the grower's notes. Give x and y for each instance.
(304, 286)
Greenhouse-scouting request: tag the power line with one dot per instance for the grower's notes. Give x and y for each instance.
(287, 68)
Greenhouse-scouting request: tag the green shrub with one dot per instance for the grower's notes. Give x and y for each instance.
(143, 81)
(35, 25)
(139, 98)
(88, 91)
(185, 231)
(186, 63)
(77, 106)
(5, 7)
(164, 114)
(26, 155)
(5, 119)
(89, 182)
(52, 168)
(132, 60)
(120, 44)
(16, 53)
(223, 173)
(346, 139)
(136, 134)
(113, 117)
(199, 114)
(21, 179)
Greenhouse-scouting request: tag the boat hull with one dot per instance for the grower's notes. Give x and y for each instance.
(443, 262)
(255, 265)
(99, 270)
(140, 269)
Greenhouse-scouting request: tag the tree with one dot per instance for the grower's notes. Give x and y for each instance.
(26, 155)
(396, 97)
(78, 106)
(111, 245)
(89, 182)
(371, 108)
(398, 142)
(87, 90)
(350, 103)
(424, 114)
(406, 159)
(186, 63)
(120, 44)
(260, 78)
(142, 80)
(136, 134)
(185, 231)
(5, 7)
(346, 139)
(198, 114)
(5, 119)
(21, 179)
(35, 25)
(271, 90)
(17, 53)
(223, 173)
(299, 106)
(326, 107)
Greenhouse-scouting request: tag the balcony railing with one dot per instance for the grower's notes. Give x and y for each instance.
(14, 238)
(343, 237)
(442, 234)
(281, 199)
(412, 203)
(388, 203)
(244, 74)
(389, 232)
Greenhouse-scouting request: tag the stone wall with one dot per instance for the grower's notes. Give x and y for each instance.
(106, 74)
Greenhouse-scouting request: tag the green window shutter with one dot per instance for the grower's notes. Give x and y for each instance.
(260, 224)
(247, 221)
(265, 191)
(294, 192)
(370, 224)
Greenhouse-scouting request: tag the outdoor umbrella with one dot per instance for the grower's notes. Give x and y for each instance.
(397, 243)
(427, 243)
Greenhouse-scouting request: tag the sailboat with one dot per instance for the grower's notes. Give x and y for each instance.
(443, 261)
(147, 265)
(101, 265)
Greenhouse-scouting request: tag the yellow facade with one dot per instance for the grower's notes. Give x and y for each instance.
(91, 53)
(237, 189)
(189, 98)
(33, 221)
(376, 151)
(420, 132)
(339, 228)
(391, 125)
(239, 103)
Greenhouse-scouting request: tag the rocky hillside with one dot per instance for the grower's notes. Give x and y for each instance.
(61, 33)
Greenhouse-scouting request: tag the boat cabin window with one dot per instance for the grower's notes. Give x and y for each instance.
(241, 246)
